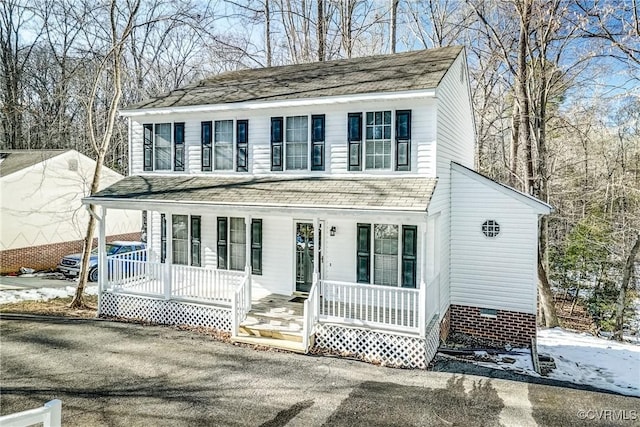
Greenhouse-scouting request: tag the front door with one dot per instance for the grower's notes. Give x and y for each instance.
(304, 255)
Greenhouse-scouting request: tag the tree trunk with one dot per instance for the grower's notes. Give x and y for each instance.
(78, 299)
(515, 142)
(267, 32)
(546, 297)
(626, 278)
(393, 24)
(321, 31)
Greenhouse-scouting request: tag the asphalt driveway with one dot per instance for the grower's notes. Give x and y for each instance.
(119, 374)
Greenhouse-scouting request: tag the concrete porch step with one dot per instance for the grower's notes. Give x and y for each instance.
(281, 344)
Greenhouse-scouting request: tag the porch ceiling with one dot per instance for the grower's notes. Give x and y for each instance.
(371, 193)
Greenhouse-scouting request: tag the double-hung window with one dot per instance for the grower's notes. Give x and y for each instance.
(232, 244)
(290, 147)
(297, 142)
(378, 140)
(223, 144)
(381, 151)
(393, 257)
(185, 240)
(164, 147)
(218, 139)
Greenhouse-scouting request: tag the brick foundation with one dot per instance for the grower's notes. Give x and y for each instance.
(507, 327)
(46, 257)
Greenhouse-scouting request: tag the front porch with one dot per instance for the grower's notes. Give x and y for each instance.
(334, 314)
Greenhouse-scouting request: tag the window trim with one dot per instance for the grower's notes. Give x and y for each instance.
(242, 159)
(206, 146)
(369, 255)
(190, 239)
(223, 229)
(277, 139)
(318, 141)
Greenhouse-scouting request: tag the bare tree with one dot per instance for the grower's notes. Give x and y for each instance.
(112, 63)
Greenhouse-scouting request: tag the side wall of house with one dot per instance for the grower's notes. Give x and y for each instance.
(41, 205)
(422, 142)
(455, 142)
(493, 279)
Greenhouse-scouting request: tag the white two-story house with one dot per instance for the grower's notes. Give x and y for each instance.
(331, 203)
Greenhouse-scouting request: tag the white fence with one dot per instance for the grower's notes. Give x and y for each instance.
(171, 281)
(49, 415)
(375, 306)
(240, 303)
(311, 312)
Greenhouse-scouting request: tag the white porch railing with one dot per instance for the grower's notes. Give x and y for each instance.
(171, 281)
(311, 313)
(373, 306)
(240, 303)
(49, 415)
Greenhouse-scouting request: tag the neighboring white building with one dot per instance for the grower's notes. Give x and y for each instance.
(347, 182)
(41, 213)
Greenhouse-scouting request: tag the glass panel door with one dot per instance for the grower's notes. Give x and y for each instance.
(304, 255)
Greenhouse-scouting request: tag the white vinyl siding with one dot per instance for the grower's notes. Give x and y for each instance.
(423, 137)
(498, 272)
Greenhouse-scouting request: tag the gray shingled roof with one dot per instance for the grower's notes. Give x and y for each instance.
(406, 193)
(415, 70)
(16, 160)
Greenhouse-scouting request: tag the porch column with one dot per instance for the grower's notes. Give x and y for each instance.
(247, 229)
(316, 250)
(169, 258)
(103, 277)
(422, 310)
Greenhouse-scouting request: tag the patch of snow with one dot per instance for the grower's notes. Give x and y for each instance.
(582, 358)
(42, 294)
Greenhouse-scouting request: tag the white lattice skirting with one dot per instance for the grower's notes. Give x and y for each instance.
(166, 312)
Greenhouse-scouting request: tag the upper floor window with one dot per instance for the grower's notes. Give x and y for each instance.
(290, 142)
(218, 145)
(380, 153)
(164, 146)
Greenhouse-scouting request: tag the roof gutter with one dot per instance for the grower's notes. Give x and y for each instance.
(261, 105)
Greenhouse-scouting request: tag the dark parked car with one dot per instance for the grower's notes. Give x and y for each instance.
(70, 264)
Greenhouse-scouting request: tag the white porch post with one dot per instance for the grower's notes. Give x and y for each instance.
(169, 257)
(422, 318)
(316, 250)
(103, 277)
(248, 227)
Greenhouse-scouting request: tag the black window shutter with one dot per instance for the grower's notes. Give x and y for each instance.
(205, 134)
(364, 253)
(222, 243)
(148, 147)
(256, 246)
(163, 238)
(276, 143)
(409, 255)
(354, 137)
(242, 146)
(403, 140)
(317, 142)
(178, 146)
(196, 251)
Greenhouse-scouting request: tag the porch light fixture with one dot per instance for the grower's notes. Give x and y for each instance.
(332, 230)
